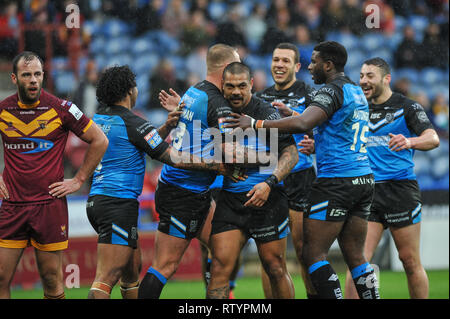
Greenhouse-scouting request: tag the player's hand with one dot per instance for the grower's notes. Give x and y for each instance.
(236, 174)
(307, 146)
(4, 194)
(284, 110)
(237, 120)
(259, 194)
(169, 101)
(174, 116)
(68, 186)
(399, 142)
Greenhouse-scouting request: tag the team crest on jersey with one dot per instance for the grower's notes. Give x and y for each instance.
(153, 139)
(389, 117)
(42, 124)
(64, 230)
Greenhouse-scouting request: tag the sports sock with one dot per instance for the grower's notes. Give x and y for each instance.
(207, 273)
(61, 296)
(325, 280)
(152, 285)
(365, 281)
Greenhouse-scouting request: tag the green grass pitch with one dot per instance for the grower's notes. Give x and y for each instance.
(393, 285)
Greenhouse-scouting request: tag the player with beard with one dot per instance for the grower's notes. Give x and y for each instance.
(290, 96)
(34, 126)
(398, 126)
(256, 207)
(112, 206)
(340, 198)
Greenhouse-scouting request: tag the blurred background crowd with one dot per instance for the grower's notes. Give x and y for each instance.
(165, 43)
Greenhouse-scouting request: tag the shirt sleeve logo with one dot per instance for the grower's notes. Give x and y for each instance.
(153, 139)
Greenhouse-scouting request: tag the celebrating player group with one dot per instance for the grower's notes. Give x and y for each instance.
(261, 144)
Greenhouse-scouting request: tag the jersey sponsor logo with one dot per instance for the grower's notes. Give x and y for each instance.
(34, 145)
(375, 116)
(323, 99)
(153, 139)
(41, 126)
(75, 111)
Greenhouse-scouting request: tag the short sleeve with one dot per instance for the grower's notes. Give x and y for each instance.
(328, 98)
(74, 119)
(417, 119)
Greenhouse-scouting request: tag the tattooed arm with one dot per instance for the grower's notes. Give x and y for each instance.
(184, 160)
(260, 192)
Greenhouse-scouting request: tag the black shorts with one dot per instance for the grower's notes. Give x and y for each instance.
(181, 212)
(297, 186)
(334, 199)
(264, 224)
(396, 203)
(114, 219)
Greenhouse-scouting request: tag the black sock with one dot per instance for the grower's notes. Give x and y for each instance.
(325, 281)
(365, 281)
(207, 274)
(152, 285)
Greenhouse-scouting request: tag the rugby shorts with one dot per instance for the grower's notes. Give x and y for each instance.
(335, 199)
(297, 186)
(396, 203)
(114, 219)
(43, 225)
(182, 213)
(263, 224)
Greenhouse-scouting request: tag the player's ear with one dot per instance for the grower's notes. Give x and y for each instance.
(14, 78)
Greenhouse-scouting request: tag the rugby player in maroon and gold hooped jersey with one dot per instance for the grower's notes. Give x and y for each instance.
(34, 126)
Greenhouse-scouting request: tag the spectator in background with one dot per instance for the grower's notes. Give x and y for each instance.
(196, 62)
(230, 31)
(407, 53)
(308, 13)
(196, 32)
(280, 32)
(175, 17)
(35, 39)
(255, 26)
(9, 29)
(402, 86)
(163, 78)
(84, 96)
(149, 17)
(434, 51)
(304, 44)
(440, 114)
(354, 20)
(260, 82)
(333, 16)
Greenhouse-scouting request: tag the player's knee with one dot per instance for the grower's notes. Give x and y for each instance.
(411, 262)
(51, 278)
(275, 266)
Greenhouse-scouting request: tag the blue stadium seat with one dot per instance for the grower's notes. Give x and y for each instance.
(400, 22)
(65, 82)
(418, 22)
(115, 28)
(373, 41)
(143, 45)
(217, 10)
(165, 43)
(431, 76)
(353, 73)
(145, 63)
(116, 45)
(59, 63)
(97, 45)
(120, 60)
(383, 53)
(411, 74)
(355, 59)
(91, 27)
(349, 41)
(254, 61)
(305, 54)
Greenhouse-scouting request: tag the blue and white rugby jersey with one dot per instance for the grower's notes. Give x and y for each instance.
(341, 140)
(205, 108)
(121, 171)
(398, 115)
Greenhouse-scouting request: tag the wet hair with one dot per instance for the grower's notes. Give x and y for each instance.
(27, 56)
(380, 63)
(237, 68)
(292, 47)
(334, 52)
(114, 84)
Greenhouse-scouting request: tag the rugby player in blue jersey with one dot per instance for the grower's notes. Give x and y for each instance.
(398, 126)
(340, 198)
(112, 207)
(290, 96)
(257, 207)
